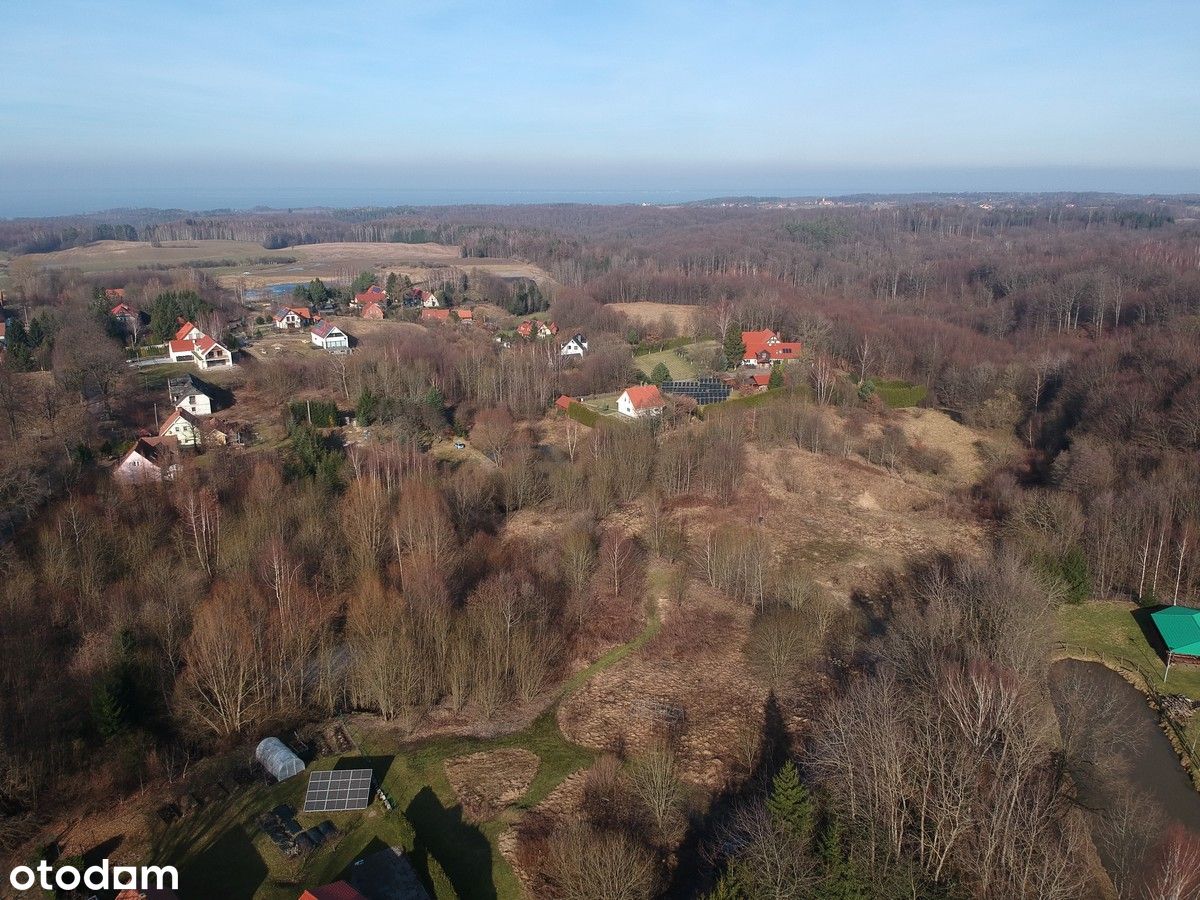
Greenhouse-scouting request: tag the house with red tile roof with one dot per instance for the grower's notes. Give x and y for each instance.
(373, 310)
(642, 402)
(210, 354)
(373, 294)
(765, 347)
(187, 332)
(525, 329)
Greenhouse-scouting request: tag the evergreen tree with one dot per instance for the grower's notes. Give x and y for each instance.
(367, 408)
(735, 350)
(776, 379)
(842, 878)
(789, 803)
(362, 281)
(728, 888)
(108, 710)
(660, 373)
(443, 889)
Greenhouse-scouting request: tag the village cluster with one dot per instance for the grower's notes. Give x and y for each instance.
(190, 426)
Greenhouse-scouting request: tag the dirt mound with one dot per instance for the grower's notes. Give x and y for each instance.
(937, 431)
(486, 782)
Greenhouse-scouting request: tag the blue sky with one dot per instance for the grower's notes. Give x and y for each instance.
(222, 103)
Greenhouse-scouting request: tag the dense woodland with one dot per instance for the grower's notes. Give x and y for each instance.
(146, 628)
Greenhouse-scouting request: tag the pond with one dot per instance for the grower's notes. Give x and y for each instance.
(273, 291)
(1154, 770)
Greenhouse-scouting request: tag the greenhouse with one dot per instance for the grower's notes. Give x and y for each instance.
(278, 759)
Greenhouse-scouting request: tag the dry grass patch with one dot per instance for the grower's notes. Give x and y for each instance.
(645, 312)
(487, 782)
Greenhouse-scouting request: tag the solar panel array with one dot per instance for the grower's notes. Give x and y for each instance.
(338, 790)
(703, 390)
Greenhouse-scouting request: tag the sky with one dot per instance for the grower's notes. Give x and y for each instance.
(212, 103)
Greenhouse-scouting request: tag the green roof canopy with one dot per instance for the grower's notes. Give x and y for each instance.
(1180, 629)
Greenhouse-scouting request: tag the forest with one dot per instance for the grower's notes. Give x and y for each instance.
(902, 739)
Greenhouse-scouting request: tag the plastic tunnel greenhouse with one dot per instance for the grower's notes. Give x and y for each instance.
(278, 759)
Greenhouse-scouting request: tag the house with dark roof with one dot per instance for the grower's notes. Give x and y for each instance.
(191, 394)
(576, 346)
(150, 459)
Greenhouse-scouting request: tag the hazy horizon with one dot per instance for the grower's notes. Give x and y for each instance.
(136, 103)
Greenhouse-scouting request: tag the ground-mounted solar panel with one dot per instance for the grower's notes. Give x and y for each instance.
(703, 390)
(338, 790)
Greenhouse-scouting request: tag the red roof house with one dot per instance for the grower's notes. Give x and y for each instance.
(372, 310)
(641, 402)
(373, 294)
(564, 402)
(435, 315)
(764, 347)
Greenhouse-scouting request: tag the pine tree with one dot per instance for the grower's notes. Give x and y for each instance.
(776, 379)
(735, 350)
(660, 373)
(842, 879)
(728, 888)
(108, 711)
(443, 889)
(789, 804)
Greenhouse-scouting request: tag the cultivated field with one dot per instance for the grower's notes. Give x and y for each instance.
(247, 265)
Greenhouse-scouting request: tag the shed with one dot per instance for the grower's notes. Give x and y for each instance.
(278, 759)
(1180, 630)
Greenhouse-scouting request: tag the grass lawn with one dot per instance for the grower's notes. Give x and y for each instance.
(1110, 630)
(900, 394)
(221, 853)
(605, 404)
(681, 367)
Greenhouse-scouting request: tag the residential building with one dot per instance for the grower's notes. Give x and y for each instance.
(429, 300)
(150, 459)
(286, 317)
(329, 337)
(765, 347)
(373, 310)
(576, 346)
(338, 890)
(373, 294)
(209, 354)
(183, 427)
(192, 395)
(641, 402)
(128, 318)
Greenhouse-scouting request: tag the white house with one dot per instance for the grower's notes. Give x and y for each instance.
(291, 317)
(190, 395)
(149, 460)
(183, 427)
(641, 402)
(576, 346)
(329, 337)
(209, 354)
(429, 300)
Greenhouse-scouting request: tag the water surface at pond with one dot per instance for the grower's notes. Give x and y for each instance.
(1154, 771)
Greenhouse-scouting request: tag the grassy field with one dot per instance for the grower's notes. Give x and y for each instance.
(899, 394)
(1111, 630)
(680, 365)
(220, 851)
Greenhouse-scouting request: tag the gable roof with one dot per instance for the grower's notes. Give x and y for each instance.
(184, 330)
(122, 309)
(184, 385)
(325, 328)
(151, 448)
(181, 346)
(1180, 629)
(179, 414)
(646, 396)
(373, 293)
(767, 341)
(205, 345)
